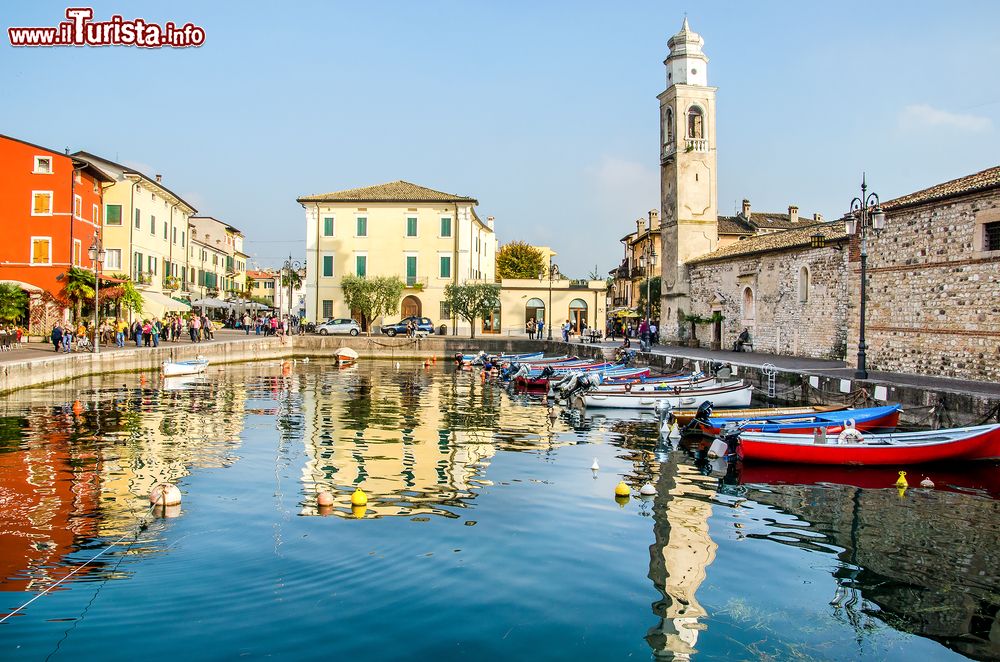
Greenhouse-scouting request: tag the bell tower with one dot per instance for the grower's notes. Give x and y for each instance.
(688, 193)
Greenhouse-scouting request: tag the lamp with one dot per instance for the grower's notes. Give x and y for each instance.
(817, 240)
(851, 225)
(866, 215)
(97, 254)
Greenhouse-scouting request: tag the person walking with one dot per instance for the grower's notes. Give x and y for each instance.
(530, 328)
(654, 333)
(565, 331)
(57, 336)
(644, 335)
(246, 324)
(154, 328)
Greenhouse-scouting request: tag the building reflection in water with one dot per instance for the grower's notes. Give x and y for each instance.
(77, 462)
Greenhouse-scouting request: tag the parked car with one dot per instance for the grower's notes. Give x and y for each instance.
(424, 326)
(334, 326)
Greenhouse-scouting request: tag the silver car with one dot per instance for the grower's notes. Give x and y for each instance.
(335, 326)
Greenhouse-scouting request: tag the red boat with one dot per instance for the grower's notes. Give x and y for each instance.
(981, 442)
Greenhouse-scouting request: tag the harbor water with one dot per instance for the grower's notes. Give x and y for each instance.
(486, 534)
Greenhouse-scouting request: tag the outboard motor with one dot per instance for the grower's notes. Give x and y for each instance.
(730, 436)
(700, 418)
(458, 358)
(547, 372)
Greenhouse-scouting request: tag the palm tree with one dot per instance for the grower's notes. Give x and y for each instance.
(12, 302)
(78, 288)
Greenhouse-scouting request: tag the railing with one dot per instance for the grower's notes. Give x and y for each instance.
(416, 282)
(669, 148)
(696, 145)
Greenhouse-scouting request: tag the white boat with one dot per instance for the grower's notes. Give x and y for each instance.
(192, 367)
(658, 387)
(730, 394)
(346, 355)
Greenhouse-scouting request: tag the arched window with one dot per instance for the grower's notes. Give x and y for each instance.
(534, 310)
(804, 284)
(668, 127)
(696, 123)
(749, 308)
(578, 314)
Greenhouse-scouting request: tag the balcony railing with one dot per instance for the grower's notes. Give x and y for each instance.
(416, 282)
(669, 148)
(696, 144)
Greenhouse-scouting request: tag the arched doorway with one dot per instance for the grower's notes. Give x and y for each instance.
(578, 314)
(534, 310)
(491, 323)
(749, 312)
(411, 306)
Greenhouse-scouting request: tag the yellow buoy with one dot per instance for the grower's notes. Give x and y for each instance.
(621, 489)
(622, 501)
(902, 480)
(359, 511)
(359, 498)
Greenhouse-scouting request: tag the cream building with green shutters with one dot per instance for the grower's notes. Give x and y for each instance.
(427, 238)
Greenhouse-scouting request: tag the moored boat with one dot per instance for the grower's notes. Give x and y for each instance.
(834, 422)
(346, 356)
(685, 416)
(981, 442)
(191, 367)
(730, 394)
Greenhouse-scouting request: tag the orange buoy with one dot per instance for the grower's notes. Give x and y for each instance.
(142, 380)
(77, 407)
(434, 359)
(324, 498)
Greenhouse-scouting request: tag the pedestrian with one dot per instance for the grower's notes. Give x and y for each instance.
(530, 328)
(155, 330)
(137, 333)
(541, 327)
(192, 329)
(644, 334)
(246, 324)
(565, 331)
(654, 333)
(57, 336)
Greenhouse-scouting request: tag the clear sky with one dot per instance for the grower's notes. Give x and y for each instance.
(546, 112)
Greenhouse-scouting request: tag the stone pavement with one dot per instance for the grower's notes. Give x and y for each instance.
(821, 367)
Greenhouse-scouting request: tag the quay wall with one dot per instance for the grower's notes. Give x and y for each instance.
(924, 406)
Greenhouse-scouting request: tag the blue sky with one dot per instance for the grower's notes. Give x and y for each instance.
(545, 112)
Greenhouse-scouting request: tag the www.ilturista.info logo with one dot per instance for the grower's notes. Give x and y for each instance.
(80, 30)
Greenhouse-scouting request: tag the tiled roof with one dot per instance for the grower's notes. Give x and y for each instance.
(980, 181)
(398, 191)
(776, 241)
(261, 275)
(734, 225)
(771, 221)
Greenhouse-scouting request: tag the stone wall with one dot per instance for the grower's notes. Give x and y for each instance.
(933, 299)
(780, 321)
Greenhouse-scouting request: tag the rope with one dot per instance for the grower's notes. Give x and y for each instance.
(139, 529)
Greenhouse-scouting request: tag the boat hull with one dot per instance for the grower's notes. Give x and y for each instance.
(738, 396)
(685, 416)
(873, 418)
(177, 368)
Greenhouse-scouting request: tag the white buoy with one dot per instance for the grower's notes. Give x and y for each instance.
(305, 360)
(397, 365)
(165, 494)
(595, 466)
(927, 482)
(324, 498)
(647, 490)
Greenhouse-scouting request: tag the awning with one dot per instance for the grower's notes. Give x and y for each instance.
(155, 304)
(212, 303)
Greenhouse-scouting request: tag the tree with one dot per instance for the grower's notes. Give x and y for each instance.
(372, 297)
(78, 288)
(654, 285)
(519, 260)
(12, 302)
(472, 300)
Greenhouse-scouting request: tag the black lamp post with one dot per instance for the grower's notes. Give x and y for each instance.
(289, 266)
(865, 217)
(647, 259)
(96, 253)
(553, 273)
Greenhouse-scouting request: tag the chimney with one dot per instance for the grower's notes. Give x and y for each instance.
(640, 226)
(818, 217)
(793, 213)
(746, 209)
(490, 221)
(654, 219)
(159, 178)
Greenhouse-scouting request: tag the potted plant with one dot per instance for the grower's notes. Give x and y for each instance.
(694, 320)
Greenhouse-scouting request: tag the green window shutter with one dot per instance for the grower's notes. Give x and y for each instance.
(137, 215)
(112, 214)
(327, 266)
(361, 265)
(362, 226)
(328, 227)
(446, 266)
(445, 227)
(411, 269)
(411, 227)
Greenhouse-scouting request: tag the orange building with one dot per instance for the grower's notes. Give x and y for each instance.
(50, 209)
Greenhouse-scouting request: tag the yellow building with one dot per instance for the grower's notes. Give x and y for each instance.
(579, 302)
(641, 261)
(425, 237)
(145, 235)
(217, 251)
(263, 285)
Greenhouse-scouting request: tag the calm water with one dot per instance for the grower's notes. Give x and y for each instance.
(486, 535)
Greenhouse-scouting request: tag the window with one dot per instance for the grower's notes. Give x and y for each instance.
(696, 123)
(95, 214)
(164, 230)
(668, 127)
(361, 265)
(445, 226)
(992, 231)
(78, 207)
(327, 266)
(137, 265)
(137, 223)
(173, 237)
(803, 284)
(112, 214)
(43, 165)
(411, 226)
(41, 250)
(113, 258)
(445, 310)
(182, 238)
(77, 252)
(362, 230)
(445, 266)
(183, 274)
(41, 203)
(152, 265)
(411, 269)
(327, 308)
(328, 226)
(152, 225)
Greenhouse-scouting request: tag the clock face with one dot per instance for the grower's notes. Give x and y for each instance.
(694, 72)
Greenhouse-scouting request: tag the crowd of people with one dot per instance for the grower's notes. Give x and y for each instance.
(146, 332)
(266, 325)
(629, 329)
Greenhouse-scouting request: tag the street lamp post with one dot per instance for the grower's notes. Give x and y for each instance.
(553, 273)
(866, 216)
(96, 253)
(289, 266)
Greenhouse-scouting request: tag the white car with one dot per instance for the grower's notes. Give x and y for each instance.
(334, 326)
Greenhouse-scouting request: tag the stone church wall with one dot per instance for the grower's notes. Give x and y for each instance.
(934, 294)
(780, 321)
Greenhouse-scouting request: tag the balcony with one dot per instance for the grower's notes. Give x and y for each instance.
(668, 150)
(415, 282)
(696, 145)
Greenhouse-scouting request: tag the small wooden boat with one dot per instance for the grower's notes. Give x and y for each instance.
(346, 356)
(192, 367)
(981, 442)
(834, 422)
(542, 379)
(674, 385)
(685, 416)
(730, 394)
